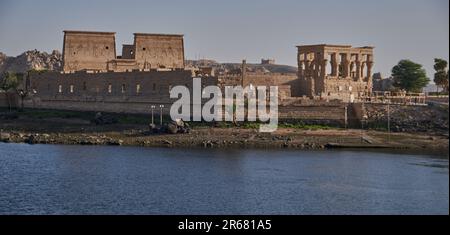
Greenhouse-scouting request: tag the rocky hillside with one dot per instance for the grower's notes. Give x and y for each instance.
(29, 60)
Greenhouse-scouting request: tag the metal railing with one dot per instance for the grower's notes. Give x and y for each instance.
(406, 98)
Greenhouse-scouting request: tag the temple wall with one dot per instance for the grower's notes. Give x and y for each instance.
(88, 50)
(159, 51)
(131, 92)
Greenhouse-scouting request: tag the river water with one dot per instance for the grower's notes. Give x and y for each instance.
(61, 179)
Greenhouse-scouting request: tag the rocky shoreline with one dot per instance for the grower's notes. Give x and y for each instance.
(78, 128)
(235, 138)
(164, 140)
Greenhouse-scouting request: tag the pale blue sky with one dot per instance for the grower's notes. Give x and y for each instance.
(231, 30)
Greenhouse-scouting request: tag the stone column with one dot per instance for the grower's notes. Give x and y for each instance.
(323, 70)
(369, 68)
(369, 73)
(318, 62)
(300, 64)
(346, 65)
(307, 64)
(363, 64)
(352, 65)
(312, 68)
(358, 69)
(301, 68)
(334, 65)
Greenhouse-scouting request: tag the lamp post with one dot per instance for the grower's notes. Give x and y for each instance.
(364, 118)
(22, 93)
(389, 122)
(152, 107)
(160, 114)
(345, 117)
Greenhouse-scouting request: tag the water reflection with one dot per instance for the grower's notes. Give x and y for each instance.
(58, 179)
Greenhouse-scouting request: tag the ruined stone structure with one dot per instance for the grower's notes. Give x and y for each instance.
(267, 61)
(335, 71)
(288, 85)
(96, 51)
(95, 78)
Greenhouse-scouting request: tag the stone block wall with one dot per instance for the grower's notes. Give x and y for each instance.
(132, 92)
(284, 82)
(136, 91)
(346, 90)
(318, 112)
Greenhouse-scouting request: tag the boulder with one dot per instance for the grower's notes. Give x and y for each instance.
(172, 128)
(32, 139)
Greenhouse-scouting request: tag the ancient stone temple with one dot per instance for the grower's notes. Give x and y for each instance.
(159, 50)
(96, 51)
(335, 71)
(96, 78)
(84, 50)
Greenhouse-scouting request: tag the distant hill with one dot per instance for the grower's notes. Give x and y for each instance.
(29, 60)
(273, 68)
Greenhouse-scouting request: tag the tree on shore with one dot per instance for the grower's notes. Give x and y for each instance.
(10, 82)
(409, 76)
(441, 74)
